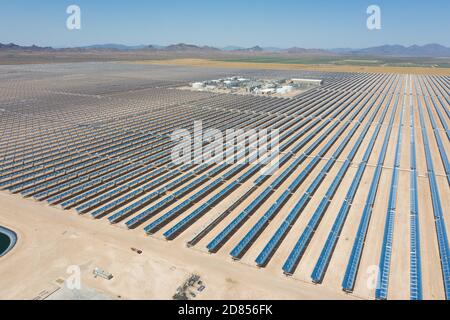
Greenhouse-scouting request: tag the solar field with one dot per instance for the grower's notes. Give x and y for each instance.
(360, 201)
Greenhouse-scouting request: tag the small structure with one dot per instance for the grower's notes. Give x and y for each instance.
(284, 90)
(266, 91)
(184, 291)
(197, 85)
(315, 82)
(102, 273)
(138, 251)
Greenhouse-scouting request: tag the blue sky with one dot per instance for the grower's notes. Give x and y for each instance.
(309, 24)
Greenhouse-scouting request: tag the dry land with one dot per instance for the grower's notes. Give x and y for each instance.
(294, 66)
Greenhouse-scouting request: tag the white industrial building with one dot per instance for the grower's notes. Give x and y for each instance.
(316, 82)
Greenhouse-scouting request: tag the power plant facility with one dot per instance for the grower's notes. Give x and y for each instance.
(268, 87)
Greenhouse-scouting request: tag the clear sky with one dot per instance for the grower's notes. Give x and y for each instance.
(288, 23)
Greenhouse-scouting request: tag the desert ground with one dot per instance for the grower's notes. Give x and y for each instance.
(213, 63)
(50, 242)
(237, 60)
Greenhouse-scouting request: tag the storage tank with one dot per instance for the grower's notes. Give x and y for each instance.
(197, 85)
(284, 90)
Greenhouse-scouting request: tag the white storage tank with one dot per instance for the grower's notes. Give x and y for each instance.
(284, 90)
(197, 85)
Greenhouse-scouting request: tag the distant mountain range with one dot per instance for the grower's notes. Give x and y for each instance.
(252, 49)
(304, 51)
(114, 46)
(12, 46)
(429, 50)
(186, 47)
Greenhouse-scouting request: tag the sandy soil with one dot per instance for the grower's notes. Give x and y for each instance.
(280, 66)
(50, 240)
